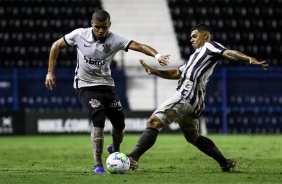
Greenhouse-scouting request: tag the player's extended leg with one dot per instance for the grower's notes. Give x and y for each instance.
(146, 141)
(207, 146)
(97, 140)
(204, 144)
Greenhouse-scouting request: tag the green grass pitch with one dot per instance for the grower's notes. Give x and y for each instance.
(68, 159)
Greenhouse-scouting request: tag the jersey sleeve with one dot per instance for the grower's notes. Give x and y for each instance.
(71, 37)
(215, 47)
(123, 41)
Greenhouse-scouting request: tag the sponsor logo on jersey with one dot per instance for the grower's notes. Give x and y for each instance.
(107, 48)
(94, 103)
(94, 61)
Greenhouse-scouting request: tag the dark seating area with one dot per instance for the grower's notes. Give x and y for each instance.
(29, 27)
(253, 27)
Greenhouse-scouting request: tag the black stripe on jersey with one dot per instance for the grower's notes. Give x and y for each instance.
(180, 83)
(209, 59)
(201, 61)
(126, 48)
(197, 66)
(202, 72)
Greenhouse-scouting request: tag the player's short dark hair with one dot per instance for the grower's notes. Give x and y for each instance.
(202, 27)
(101, 16)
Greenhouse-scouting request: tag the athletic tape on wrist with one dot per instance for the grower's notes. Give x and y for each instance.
(157, 56)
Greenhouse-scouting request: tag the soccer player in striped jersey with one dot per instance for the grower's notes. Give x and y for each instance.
(96, 46)
(187, 103)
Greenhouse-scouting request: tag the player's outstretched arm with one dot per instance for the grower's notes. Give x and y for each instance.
(50, 80)
(238, 56)
(162, 59)
(166, 74)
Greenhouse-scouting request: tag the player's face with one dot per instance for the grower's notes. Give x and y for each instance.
(197, 39)
(100, 29)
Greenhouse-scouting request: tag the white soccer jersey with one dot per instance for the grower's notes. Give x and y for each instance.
(94, 57)
(196, 72)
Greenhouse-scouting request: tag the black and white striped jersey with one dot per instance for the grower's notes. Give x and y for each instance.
(94, 57)
(195, 74)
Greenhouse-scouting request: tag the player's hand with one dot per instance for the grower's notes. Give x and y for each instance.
(163, 60)
(262, 64)
(50, 81)
(146, 67)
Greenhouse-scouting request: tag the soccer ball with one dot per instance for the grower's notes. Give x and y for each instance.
(117, 163)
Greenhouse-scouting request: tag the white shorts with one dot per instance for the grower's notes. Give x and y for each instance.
(176, 110)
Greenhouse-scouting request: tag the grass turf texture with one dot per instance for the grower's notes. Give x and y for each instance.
(68, 159)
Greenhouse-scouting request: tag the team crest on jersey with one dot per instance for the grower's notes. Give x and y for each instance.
(94, 103)
(107, 48)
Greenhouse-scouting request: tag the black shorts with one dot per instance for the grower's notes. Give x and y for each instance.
(98, 98)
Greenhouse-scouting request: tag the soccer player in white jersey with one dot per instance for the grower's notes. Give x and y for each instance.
(187, 104)
(96, 47)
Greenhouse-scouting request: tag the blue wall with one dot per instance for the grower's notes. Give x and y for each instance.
(238, 100)
(244, 100)
(24, 89)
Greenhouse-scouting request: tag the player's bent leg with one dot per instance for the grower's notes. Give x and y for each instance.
(146, 141)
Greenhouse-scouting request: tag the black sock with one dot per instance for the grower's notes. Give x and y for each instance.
(145, 142)
(208, 147)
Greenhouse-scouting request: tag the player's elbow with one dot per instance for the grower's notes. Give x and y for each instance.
(177, 74)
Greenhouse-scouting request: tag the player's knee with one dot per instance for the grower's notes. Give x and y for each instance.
(155, 122)
(119, 126)
(98, 119)
(191, 137)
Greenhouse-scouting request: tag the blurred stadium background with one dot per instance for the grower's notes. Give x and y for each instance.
(240, 98)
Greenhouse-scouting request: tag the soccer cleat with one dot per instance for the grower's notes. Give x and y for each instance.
(110, 148)
(133, 163)
(230, 166)
(98, 169)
